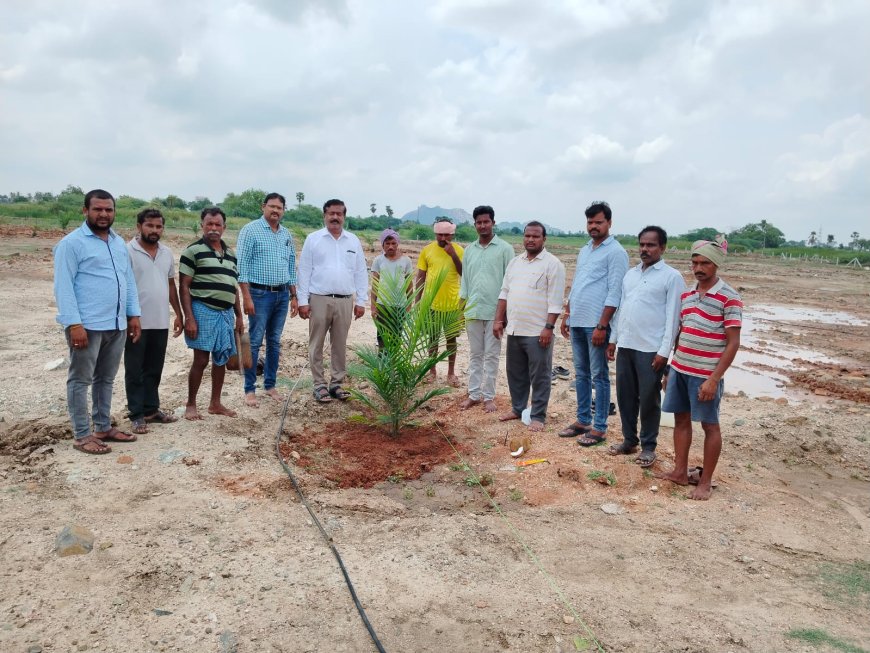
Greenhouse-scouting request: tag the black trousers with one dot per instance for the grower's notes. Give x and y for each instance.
(638, 393)
(529, 368)
(143, 367)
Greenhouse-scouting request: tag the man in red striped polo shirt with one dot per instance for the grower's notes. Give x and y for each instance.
(710, 319)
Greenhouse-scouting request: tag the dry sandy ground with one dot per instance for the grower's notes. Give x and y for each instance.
(198, 522)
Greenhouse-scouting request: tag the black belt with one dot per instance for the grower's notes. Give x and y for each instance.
(281, 288)
(327, 294)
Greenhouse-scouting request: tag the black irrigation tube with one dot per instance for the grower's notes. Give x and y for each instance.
(326, 536)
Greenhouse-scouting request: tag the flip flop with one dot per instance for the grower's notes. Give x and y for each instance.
(339, 393)
(695, 476)
(574, 430)
(561, 372)
(646, 458)
(161, 418)
(92, 445)
(591, 440)
(115, 435)
(621, 449)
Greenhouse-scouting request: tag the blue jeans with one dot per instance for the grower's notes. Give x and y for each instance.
(590, 368)
(93, 367)
(270, 314)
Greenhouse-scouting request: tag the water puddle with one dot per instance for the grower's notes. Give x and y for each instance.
(760, 366)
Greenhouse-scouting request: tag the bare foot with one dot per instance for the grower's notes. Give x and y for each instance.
(489, 406)
(507, 417)
(272, 392)
(535, 425)
(220, 409)
(702, 492)
(190, 412)
(453, 381)
(468, 403)
(251, 400)
(433, 375)
(674, 477)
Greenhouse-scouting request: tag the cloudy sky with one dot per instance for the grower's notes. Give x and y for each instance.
(679, 113)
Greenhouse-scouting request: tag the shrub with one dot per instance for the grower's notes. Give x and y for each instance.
(397, 372)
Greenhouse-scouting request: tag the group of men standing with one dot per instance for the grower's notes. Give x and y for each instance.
(114, 298)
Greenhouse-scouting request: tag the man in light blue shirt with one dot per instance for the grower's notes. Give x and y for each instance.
(267, 279)
(644, 330)
(594, 298)
(97, 304)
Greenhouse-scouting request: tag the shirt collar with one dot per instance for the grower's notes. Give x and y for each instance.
(138, 246)
(540, 255)
(87, 230)
(657, 266)
(604, 242)
(716, 287)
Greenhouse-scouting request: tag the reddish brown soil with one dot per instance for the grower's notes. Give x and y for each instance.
(360, 455)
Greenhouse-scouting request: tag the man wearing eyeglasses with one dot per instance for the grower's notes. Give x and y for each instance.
(267, 279)
(595, 293)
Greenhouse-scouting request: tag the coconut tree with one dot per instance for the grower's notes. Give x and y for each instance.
(397, 372)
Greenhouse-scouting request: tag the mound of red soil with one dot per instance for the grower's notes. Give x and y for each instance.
(358, 455)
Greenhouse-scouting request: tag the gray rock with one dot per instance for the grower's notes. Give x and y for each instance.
(228, 642)
(612, 509)
(57, 364)
(36, 648)
(171, 456)
(74, 540)
(161, 613)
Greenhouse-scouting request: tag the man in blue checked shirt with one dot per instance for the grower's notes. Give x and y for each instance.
(98, 307)
(267, 278)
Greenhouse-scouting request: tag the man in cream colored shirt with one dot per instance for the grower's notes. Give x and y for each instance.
(530, 303)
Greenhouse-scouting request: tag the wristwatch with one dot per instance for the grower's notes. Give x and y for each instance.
(549, 326)
(600, 327)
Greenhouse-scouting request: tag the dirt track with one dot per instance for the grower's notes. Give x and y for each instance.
(198, 519)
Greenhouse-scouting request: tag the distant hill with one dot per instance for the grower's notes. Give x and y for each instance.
(427, 214)
(507, 226)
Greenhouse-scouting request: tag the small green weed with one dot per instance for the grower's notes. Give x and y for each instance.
(818, 637)
(484, 479)
(515, 495)
(396, 477)
(597, 474)
(487, 445)
(459, 467)
(748, 467)
(430, 490)
(847, 582)
(408, 494)
(648, 474)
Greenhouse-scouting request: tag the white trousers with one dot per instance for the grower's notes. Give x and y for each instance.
(484, 350)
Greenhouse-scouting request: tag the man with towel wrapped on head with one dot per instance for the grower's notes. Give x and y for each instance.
(212, 312)
(711, 315)
(435, 257)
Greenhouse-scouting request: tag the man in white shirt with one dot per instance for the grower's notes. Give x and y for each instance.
(646, 325)
(333, 288)
(154, 268)
(528, 306)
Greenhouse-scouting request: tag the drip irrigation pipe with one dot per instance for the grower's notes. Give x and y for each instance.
(326, 536)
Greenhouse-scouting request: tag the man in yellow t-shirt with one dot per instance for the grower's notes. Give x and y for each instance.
(435, 257)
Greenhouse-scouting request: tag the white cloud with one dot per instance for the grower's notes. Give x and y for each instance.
(516, 104)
